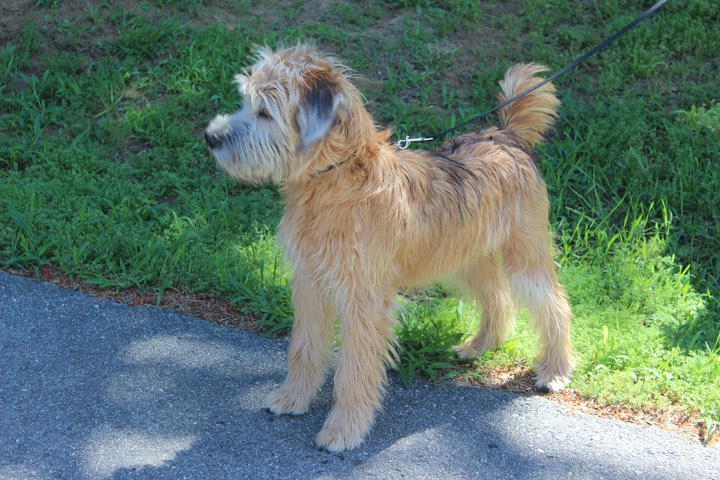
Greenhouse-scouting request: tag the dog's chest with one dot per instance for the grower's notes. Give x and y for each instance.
(317, 239)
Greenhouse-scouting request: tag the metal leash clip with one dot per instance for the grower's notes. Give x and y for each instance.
(404, 143)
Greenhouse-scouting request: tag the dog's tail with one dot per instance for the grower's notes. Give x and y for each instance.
(529, 116)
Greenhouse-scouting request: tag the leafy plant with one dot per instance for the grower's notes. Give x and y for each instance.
(425, 336)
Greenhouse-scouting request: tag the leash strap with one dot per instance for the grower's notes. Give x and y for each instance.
(404, 143)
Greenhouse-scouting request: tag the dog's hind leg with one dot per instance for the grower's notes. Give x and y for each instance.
(487, 283)
(531, 270)
(309, 352)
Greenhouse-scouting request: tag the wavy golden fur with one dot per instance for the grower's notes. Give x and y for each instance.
(364, 219)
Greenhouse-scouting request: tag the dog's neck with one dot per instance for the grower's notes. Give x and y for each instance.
(332, 166)
(345, 151)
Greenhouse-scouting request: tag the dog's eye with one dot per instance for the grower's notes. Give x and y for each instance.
(262, 113)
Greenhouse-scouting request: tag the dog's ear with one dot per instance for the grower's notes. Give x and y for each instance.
(319, 109)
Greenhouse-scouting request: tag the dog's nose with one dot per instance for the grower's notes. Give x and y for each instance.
(212, 140)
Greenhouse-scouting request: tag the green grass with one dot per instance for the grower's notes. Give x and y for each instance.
(104, 175)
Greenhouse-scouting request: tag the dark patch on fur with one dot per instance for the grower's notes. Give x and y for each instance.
(448, 157)
(454, 145)
(501, 138)
(319, 98)
(459, 176)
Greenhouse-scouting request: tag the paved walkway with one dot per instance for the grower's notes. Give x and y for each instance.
(90, 389)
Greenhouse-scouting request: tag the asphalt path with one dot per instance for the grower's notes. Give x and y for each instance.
(91, 389)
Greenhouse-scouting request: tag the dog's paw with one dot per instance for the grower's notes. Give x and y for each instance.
(464, 351)
(343, 431)
(554, 373)
(553, 377)
(336, 440)
(283, 401)
(552, 384)
(473, 347)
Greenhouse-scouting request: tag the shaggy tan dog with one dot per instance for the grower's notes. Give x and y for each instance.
(363, 219)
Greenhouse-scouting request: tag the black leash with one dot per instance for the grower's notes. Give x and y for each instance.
(405, 142)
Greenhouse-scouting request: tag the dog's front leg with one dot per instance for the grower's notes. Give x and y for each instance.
(309, 352)
(360, 374)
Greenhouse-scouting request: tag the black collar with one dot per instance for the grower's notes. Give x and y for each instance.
(332, 167)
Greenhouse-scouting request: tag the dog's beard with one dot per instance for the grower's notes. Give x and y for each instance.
(252, 166)
(249, 153)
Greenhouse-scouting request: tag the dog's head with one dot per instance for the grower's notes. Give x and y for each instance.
(298, 113)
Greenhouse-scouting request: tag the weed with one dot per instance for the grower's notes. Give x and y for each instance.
(425, 336)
